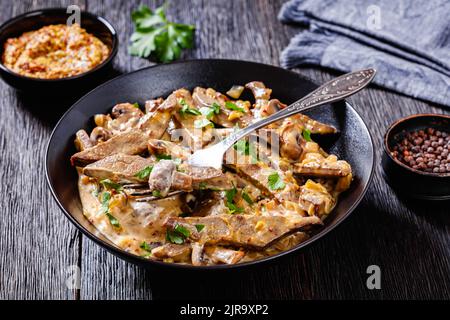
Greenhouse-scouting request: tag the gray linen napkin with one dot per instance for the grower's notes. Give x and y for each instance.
(408, 41)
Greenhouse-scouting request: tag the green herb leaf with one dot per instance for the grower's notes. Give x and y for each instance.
(201, 123)
(155, 35)
(156, 193)
(136, 105)
(199, 227)
(163, 156)
(108, 184)
(106, 196)
(210, 111)
(182, 230)
(247, 198)
(145, 246)
(306, 134)
(207, 112)
(174, 237)
(113, 220)
(233, 208)
(215, 107)
(276, 182)
(178, 235)
(244, 147)
(144, 173)
(186, 109)
(232, 106)
(230, 194)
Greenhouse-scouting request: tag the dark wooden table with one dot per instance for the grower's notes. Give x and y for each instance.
(408, 240)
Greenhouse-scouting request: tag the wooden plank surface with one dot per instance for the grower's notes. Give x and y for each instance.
(409, 240)
(37, 244)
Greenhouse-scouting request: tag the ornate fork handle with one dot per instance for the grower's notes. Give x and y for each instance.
(334, 90)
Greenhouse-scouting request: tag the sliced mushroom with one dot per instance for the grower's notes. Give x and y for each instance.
(219, 255)
(315, 164)
(152, 105)
(176, 252)
(292, 143)
(159, 147)
(100, 134)
(272, 107)
(126, 110)
(260, 92)
(82, 140)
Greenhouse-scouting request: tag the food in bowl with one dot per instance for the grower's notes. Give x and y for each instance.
(54, 52)
(425, 150)
(137, 188)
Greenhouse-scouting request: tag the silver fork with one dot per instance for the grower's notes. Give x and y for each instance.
(334, 90)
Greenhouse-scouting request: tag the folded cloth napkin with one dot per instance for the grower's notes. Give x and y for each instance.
(408, 41)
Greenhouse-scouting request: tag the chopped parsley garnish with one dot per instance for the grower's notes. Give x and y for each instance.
(136, 105)
(276, 182)
(306, 134)
(215, 107)
(232, 207)
(144, 173)
(106, 197)
(178, 234)
(230, 194)
(247, 198)
(201, 123)
(108, 184)
(156, 193)
(210, 111)
(154, 34)
(113, 220)
(245, 148)
(163, 156)
(145, 246)
(186, 109)
(199, 227)
(232, 106)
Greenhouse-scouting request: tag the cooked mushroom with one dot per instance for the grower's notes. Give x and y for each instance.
(292, 143)
(82, 140)
(100, 134)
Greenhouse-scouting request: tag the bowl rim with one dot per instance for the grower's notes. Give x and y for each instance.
(387, 137)
(176, 266)
(100, 19)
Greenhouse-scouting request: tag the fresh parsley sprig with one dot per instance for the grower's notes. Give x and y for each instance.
(144, 173)
(306, 135)
(106, 197)
(275, 182)
(154, 34)
(230, 204)
(178, 234)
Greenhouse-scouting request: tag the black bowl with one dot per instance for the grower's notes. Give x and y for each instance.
(353, 143)
(405, 180)
(34, 20)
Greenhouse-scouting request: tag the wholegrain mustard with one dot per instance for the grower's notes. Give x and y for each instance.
(54, 51)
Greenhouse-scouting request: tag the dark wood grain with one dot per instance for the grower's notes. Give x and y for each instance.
(37, 244)
(409, 240)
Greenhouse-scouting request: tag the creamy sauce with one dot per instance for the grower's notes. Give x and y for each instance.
(139, 221)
